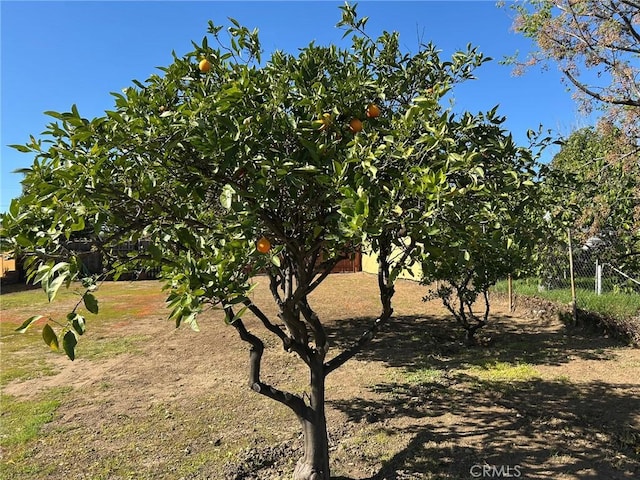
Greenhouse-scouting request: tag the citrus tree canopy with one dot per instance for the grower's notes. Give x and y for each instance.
(233, 169)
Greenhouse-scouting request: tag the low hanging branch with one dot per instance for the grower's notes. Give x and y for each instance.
(291, 400)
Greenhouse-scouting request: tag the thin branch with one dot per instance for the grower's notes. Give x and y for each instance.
(327, 266)
(320, 335)
(350, 352)
(627, 21)
(273, 328)
(597, 96)
(288, 343)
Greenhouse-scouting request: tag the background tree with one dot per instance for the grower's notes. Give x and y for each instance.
(230, 167)
(596, 45)
(412, 147)
(601, 192)
(492, 227)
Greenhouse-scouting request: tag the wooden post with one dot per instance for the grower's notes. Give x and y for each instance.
(574, 306)
(510, 288)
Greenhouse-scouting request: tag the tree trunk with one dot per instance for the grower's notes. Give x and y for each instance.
(469, 337)
(314, 465)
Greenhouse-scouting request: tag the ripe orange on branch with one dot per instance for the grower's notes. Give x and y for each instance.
(355, 125)
(263, 245)
(373, 111)
(204, 65)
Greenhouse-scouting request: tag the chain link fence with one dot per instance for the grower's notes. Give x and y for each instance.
(583, 274)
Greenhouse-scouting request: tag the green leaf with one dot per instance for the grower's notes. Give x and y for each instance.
(22, 240)
(77, 322)
(275, 259)
(53, 114)
(155, 252)
(27, 323)
(69, 342)
(236, 300)
(192, 321)
(238, 315)
(78, 225)
(226, 196)
(20, 148)
(90, 302)
(53, 287)
(82, 135)
(50, 338)
(115, 116)
(14, 208)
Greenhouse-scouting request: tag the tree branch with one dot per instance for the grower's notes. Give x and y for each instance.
(291, 400)
(273, 328)
(320, 335)
(288, 343)
(597, 96)
(350, 352)
(326, 267)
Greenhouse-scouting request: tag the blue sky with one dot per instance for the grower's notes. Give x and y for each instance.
(55, 54)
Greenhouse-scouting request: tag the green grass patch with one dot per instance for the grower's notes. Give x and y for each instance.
(24, 368)
(110, 347)
(21, 420)
(422, 376)
(494, 371)
(616, 304)
(373, 444)
(24, 356)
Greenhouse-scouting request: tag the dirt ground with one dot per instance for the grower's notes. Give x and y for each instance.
(535, 401)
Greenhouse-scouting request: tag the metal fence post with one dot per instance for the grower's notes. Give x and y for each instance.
(598, 278)
(574, 306)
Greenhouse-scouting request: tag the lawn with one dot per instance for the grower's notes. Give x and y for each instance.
(144, 400)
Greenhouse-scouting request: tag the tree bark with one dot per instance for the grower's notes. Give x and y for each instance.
(314, 465)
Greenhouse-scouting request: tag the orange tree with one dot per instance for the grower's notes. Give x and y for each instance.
(245, 167)
(492, 228)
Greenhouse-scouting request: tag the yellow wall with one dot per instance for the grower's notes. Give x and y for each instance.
(6, 264)
(370, 264)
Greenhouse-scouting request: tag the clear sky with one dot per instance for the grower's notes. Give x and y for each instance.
(55, 54)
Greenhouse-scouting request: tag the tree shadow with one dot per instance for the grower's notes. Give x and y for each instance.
(545, 429)
(418, 342)
(460, 424)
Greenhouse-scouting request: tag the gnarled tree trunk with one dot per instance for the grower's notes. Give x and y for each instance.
(314, 465)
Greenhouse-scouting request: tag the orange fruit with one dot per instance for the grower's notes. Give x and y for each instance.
(263, 245)
(373, 111)
(204, 65)
(355, 125)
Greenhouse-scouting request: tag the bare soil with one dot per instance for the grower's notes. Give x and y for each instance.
(416, 404)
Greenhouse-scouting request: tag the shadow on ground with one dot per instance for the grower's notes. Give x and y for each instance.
(461, 427)
(435, 342)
